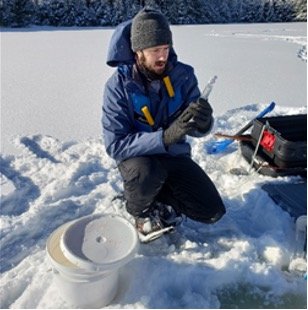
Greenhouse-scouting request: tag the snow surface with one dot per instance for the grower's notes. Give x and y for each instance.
(54, 168)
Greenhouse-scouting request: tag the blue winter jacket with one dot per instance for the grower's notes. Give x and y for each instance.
(126, 131)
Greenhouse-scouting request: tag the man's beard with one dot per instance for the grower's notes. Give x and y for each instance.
(148, 72)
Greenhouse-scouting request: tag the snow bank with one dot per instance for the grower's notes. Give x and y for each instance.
(242, 260)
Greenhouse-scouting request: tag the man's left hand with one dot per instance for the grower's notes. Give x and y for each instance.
(202, 115)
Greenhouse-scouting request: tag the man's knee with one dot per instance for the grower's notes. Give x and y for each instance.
(142, 176)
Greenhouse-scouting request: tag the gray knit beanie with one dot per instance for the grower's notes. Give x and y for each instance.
(150, 28)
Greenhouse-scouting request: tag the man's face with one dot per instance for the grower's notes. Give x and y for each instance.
(154, 58)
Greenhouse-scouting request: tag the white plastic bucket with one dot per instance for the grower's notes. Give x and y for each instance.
(86, 255)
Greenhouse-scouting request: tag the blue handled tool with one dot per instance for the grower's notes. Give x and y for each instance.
(220, 146)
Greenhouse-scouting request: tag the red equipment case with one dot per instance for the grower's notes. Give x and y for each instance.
(284, 139)
(283, 145)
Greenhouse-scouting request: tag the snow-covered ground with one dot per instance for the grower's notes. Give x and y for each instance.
(54, 168)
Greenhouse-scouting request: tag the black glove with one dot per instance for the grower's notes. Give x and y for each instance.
(179, 128)
(202, 116)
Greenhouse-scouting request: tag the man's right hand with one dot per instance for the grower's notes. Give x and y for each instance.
(179, 128)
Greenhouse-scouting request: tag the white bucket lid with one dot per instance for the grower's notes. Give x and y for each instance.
(99, 242)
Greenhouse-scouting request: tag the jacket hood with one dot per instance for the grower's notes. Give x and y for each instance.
(120, 51)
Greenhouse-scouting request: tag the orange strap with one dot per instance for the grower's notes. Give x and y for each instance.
(146, 112)
(169, 86)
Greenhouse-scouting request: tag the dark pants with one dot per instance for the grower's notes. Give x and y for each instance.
(175, 181)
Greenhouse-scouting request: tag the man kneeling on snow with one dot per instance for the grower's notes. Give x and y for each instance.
(150, 105)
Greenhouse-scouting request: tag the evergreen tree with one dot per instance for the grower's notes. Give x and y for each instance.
(249, 8)
(17, 13)
(224, 10)
(235, 8)
(268, 12)
(5, 18)
(176, 12)
(73, 13)
(89, 17)
(213, 11)
(56, 13)
(300, 10)
(195, 11)
(150, 3)
(208, 12)
(21, 13)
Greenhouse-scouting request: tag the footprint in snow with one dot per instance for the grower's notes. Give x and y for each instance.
(18, 201)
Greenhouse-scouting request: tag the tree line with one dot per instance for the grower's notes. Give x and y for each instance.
(93, 13)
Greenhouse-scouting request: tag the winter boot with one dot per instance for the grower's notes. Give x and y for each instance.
(150, 228)
(168, 216)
